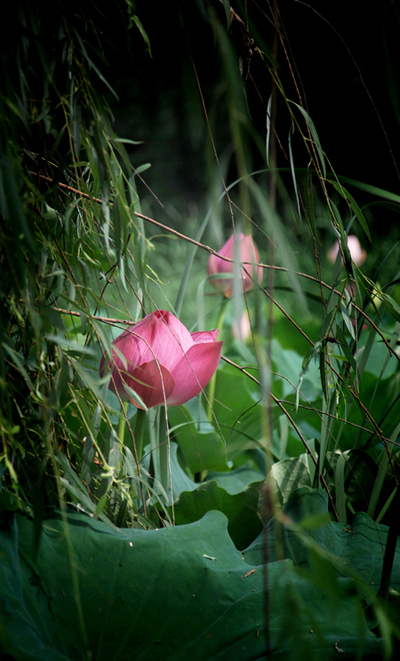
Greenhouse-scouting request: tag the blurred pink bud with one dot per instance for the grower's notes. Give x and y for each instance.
(358, 255)
(242, 330)
(164, 363)
(247, 253)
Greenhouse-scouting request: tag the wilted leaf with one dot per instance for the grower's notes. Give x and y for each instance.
(289, 474)
(356, 548)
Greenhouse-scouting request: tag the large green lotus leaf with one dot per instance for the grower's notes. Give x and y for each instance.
(357, 549)
(235, 409)
(240, 509)
(180, 480)
(288, 367)
(172, 594)
(235, 481)
(27, 629)
(202, 450)
(284, 329)
(376, 360)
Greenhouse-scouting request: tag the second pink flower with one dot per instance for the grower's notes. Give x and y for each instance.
(247, 253)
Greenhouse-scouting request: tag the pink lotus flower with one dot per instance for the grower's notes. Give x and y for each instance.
(247, 253)
(164, 363)
(358, 255)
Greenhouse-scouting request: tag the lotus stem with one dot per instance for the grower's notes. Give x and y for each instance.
(213, 382)
(140, 418)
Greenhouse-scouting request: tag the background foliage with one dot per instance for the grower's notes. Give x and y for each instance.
(92, 239)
